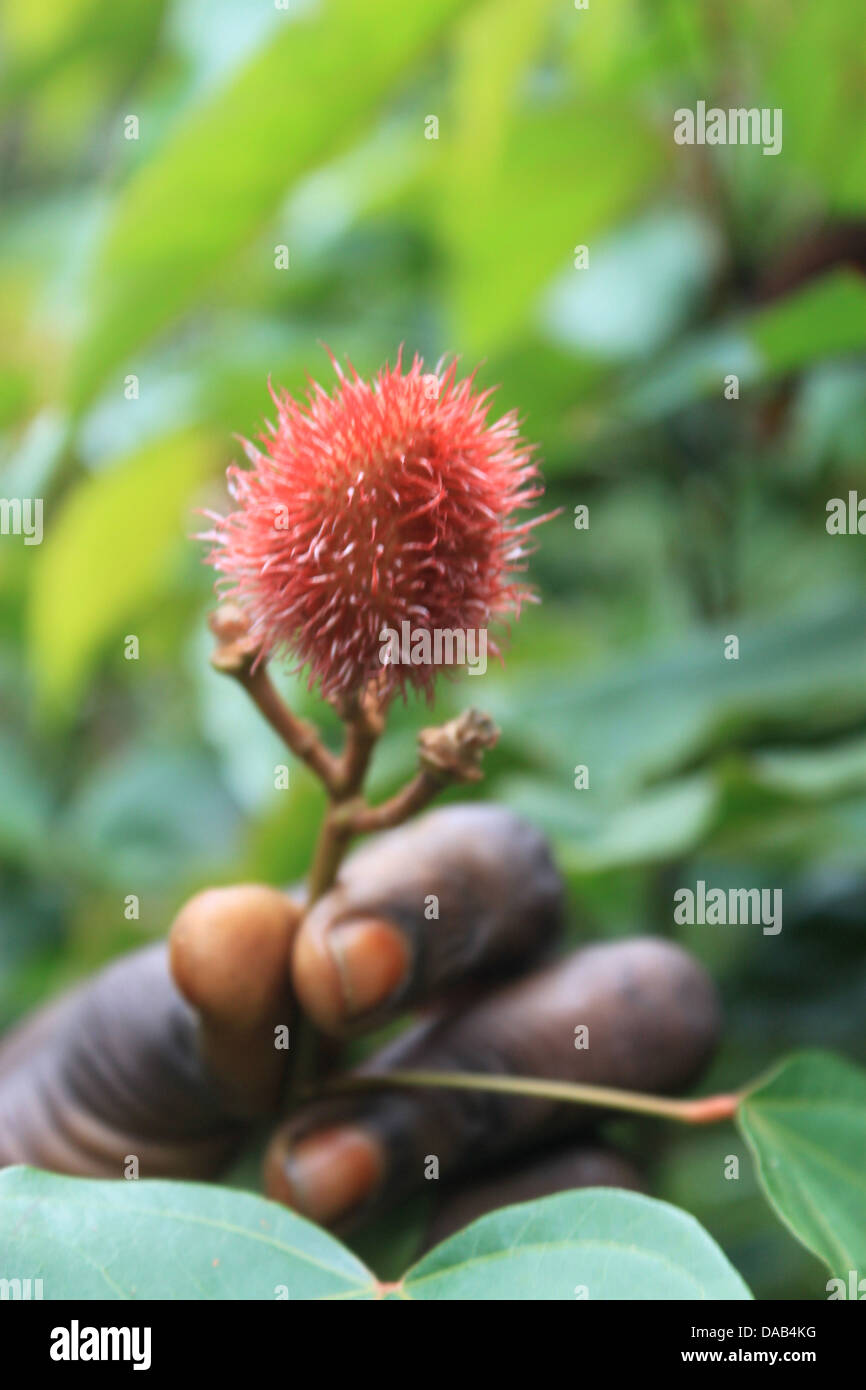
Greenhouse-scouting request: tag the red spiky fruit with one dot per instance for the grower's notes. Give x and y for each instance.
(384, 502)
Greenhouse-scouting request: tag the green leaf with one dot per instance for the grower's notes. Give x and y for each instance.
(151, 815)
(824, 319)
(106, 554)
(806, 1126)
(662, 823)
(224, 172)
(578, 170)
(808, 77)
(25, 804)
(111, 1239)
(172, 1240)
(612, 1244)
(812, 773)
(652, 714)
(552, 172)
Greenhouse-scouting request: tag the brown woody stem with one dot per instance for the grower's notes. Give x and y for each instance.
(299, 736)
(364, 717)
(449, 753)
(238, 654)
(417, 793)
(328, 855)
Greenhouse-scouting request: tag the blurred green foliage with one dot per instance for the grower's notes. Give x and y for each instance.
(306, 127)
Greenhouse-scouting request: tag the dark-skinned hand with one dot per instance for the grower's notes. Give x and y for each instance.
(169, 1054)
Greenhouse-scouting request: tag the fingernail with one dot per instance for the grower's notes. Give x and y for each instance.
(326, 1174)
(372, 959)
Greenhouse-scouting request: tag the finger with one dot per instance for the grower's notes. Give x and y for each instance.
(123, 1068)
(109, 1074)
(460, 894)
(651, 1019)
(229, 952)
(564, 1170)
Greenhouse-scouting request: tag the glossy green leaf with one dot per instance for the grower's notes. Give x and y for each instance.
(106, 554)
(597, 1244)
(806, 1125)
(224, 171)
(88, 1239)
(168, 1240)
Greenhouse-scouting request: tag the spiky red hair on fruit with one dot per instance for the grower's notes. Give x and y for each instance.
(384, 501)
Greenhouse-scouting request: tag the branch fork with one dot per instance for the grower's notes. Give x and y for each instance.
(447, 753)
